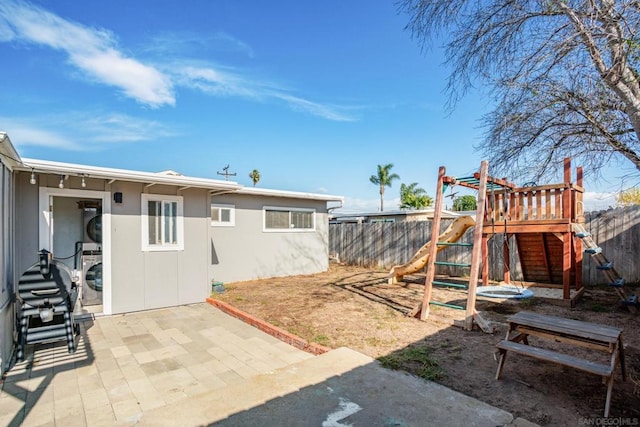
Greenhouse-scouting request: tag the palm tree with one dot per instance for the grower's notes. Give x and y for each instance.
(383, 179)
(255, 176)
(414, 197)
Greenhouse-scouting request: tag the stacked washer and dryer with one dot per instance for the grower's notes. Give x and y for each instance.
(91, 253)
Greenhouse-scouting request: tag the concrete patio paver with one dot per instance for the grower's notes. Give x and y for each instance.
(195, 365)
(127, 364)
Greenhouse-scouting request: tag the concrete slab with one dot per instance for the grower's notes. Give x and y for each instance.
(194, 365)
(342, 387)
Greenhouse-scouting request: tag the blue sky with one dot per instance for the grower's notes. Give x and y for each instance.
(312, 94)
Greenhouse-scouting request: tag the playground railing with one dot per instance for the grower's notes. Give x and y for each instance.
(555, 202)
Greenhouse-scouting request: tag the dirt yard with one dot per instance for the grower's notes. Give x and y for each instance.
(356, 308)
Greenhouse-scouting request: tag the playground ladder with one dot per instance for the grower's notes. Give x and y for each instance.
(451, 264)
(603, 264)
(471, 315)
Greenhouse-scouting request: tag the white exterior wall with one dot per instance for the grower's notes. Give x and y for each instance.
(6, 266)
(141, 280)
(144, 280)
(245, 251)
(26, 228)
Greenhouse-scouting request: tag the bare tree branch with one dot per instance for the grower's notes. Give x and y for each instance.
(563, 74)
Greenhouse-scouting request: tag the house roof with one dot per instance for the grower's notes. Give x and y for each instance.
(45, 166)
(421, 212)
(8, 151)
(165, 177)
(289, 194)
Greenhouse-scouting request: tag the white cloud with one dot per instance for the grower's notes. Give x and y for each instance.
(91, 50)
(82, 130)
(188, 43)
(236, 44)
(357, 205)
(120, 128)
(23, 135)
(313, 108)
(216, 82)
(228, 82)
(6, 33)
(594, 201)
(96, 54)
(138, 81)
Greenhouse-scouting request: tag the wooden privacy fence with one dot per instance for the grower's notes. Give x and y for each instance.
(383, 245)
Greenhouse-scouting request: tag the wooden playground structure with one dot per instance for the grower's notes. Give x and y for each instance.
(547, 224)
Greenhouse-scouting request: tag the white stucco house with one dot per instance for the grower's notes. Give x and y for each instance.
(139, 240)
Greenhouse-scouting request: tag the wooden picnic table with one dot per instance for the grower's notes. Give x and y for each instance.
(574, 332)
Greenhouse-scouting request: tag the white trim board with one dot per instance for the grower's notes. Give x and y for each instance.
(44, 224)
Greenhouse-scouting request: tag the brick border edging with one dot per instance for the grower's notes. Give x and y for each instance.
(279, 333)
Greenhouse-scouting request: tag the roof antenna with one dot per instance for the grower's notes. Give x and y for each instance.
(226, 173)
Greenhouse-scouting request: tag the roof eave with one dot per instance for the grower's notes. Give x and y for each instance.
(43, 166)
(149, 178)
(8, 151)
(290, 194)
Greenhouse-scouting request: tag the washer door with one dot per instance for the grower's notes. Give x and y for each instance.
(94, 229)
(93, 277)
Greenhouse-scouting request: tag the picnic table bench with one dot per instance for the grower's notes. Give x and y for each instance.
(575, 332)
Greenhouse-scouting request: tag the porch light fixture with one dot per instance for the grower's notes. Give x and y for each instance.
(32, 181)
(61, 184)
(84, 184)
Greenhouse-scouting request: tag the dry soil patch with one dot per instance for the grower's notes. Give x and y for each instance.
(356, 308)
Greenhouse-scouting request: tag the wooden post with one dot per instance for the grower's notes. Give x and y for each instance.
(578, 257)
(547, 202)
(500, 203)
(566, 194)
(485, 260)
(435, 232)
(477, 249)
(568, 260)
(567, 169)
(566, 265)
(492, 208)
(579, 217)
(579, 209)
(506, 257)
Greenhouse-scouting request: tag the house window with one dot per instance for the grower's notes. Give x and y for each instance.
(223, 215)
(289, 219)
(162, 223)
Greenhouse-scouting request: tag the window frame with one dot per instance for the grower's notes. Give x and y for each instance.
(161, 198)
(290, 210)
(232, 215)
